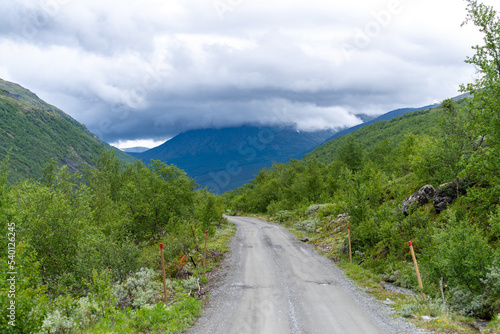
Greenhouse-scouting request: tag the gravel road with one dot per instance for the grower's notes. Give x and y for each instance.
(273, 283)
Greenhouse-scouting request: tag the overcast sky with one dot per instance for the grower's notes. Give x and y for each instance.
(149, 69)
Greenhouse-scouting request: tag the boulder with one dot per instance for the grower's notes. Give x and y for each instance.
(448, 192)
(421, 197)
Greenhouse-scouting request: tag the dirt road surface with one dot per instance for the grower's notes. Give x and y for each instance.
(273, 283)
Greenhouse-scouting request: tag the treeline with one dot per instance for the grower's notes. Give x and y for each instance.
(78, 235)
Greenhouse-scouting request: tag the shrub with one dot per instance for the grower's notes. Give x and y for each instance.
(308, 225)
(428, 307)
(314, 208)
(57, 323)
(331, 210)
(31, 302)
(283, 215)
(408, 310)
(468, 303)
(139, 289)
(190, 284)
(461, 255)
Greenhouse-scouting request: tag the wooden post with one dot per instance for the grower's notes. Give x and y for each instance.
(416, 269)
(349, 236)
(164, 276)
(205, 252)
(442, 289)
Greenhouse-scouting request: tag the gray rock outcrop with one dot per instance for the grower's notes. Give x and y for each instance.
(421, 197)
(448, 192)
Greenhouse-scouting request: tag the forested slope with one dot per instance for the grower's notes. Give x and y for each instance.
(36, 132)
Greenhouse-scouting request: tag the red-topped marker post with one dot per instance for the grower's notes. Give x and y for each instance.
(416, 269)
(349, 236)
(164, 276)
(205, 252)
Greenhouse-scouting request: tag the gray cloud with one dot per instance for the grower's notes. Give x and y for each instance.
(149, 69)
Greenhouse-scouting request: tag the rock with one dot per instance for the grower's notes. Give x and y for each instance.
(448, 192)
(341, 221)
(445, 195)
(304, 239)
(398, 289)
(389, 302)
(342, 215)
(427, 318)
(421, 197)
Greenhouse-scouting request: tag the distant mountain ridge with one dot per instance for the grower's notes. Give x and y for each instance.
(384, 117)
(36, 132)
(138, 149)
(223, 159)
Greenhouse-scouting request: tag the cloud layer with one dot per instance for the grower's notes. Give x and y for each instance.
(132, 69)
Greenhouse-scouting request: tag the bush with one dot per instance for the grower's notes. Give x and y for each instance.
(331, 210)
(461, 254)
(400, 273)
(190, 284)
(314, 208)
(31, 302)
(492, 288)
(408, 310)
(284, 215)
(308, 225)
(140, 289)
(468, 303)
(419, 307)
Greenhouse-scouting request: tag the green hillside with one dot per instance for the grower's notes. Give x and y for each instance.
(388, 133)
(36, 132)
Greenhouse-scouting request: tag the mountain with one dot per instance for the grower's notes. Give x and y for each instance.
(135, 149)
(385, 117)
(37, 132)
(384, 134)
(223, 159)
(365, 117)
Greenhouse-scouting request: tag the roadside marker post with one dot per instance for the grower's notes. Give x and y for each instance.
(349, 236)
(416, 269)
(164, 276)
(205, 251)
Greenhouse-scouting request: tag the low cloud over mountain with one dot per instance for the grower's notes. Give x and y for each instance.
(150, 70)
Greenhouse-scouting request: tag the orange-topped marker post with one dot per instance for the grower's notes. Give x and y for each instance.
(416, 269)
